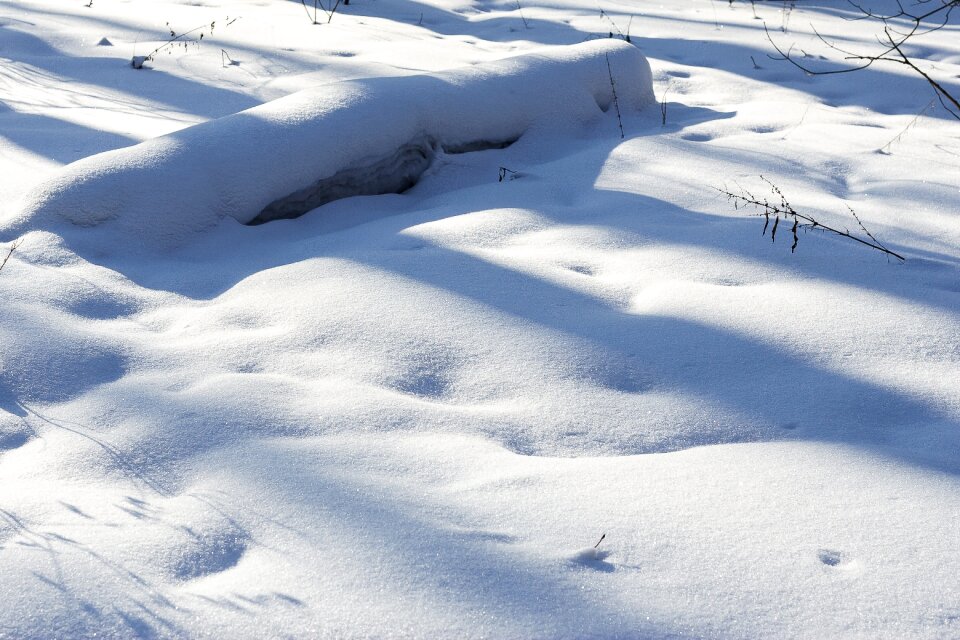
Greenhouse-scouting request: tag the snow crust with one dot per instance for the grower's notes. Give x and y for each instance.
(248, 165)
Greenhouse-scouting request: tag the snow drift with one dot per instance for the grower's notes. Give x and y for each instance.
(369, 136)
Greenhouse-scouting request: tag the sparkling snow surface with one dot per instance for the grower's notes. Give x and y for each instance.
(415, 414)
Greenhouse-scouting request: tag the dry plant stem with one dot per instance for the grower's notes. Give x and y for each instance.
(307, 9)
(178, 38)
(785, 210)
(520, 11)
(616, 101)
(13, 247)
(663, 108)
(317, 3)
(603, 14)
(332, 11)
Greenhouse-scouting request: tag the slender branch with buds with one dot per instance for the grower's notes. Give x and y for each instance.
(780, 209)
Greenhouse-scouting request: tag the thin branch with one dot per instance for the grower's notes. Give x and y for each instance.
(786, 55)
(13, 247)
(175, 37)
(943, 93)
(806, 222)
(887, 148)
(893, 38)
(616, 101)
(508, 174)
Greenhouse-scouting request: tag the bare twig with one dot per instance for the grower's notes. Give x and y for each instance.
(181, 38)
(783, 209)
(314, 18)
(319, 3)
(898, 29)
(332, 11)
(13, 247)
(620, 33)
(226, 60)
(178, 39)
(507, 174)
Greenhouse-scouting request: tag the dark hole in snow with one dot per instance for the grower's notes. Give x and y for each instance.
(394, 174)
(832, 558)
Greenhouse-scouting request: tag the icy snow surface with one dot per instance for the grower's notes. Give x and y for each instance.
(414, 414)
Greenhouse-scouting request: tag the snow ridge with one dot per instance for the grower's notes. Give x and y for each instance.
(265, 161)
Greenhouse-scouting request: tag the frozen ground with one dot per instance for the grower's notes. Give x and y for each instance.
(414, 414)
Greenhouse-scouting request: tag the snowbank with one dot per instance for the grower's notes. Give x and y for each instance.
(288, 156)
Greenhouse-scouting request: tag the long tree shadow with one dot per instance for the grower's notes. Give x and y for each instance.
(144, 613)
(576, 199)
(723, 368)
(693, 358)
(878, 88)
(731, 372)
(474, 572)
(512, 23)
(776, 393)
(52, 71)
(58, 140)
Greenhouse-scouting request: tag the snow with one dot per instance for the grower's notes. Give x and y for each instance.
(414, 414)
(273, 159)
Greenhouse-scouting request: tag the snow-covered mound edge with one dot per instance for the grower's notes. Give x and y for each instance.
(157, 193)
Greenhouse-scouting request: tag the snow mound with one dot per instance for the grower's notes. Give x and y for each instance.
(276, 160)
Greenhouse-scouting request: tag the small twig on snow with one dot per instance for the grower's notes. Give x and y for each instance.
(504, 173)
(13, 247)
(783, 209)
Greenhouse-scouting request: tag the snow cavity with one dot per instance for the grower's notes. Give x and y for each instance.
(395, 173)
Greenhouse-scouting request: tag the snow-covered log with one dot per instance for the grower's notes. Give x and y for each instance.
(292, 154)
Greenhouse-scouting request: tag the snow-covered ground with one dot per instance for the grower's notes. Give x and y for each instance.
(415, 414)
